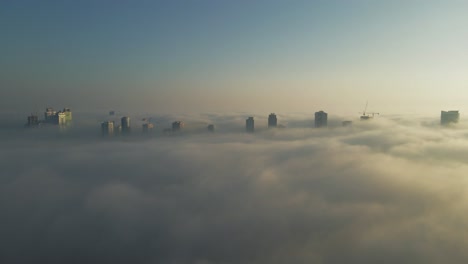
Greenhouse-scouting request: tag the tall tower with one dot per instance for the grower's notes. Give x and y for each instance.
(447, 117)
(272, 120)
(68, 115)
(249, 125)
(125, 124)
(61, 118)
(107, 128)
(50, 116)
(321, 119)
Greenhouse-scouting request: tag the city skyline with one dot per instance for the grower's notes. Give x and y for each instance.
(212, 131)
(64, 118)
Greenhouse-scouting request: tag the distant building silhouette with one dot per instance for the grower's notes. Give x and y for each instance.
(272, 120)
(61, 118)
(58, 118)
(447, 117)
(68, 115)
(211, 128)
(177, 126)
(250, 124)
(50, 115)
(125, 125)
(347, 123)
(147, 128)
(321, 119)
(107, 128)
(33, 120)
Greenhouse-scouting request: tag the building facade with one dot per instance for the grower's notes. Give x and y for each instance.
(125, 124)
(272, 120)
(321, 119)
(250, 125)
(63, 117)
(448, 117)
(107, 128)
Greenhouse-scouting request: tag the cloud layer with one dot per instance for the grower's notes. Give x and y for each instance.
(386, 191)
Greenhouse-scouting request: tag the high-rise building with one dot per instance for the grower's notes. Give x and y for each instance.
(61, 118)
(125, 124)
(58, 118)
(33, 120)
(447, 117)
(107, 128)
(147, 127)
(68, 115)
(177, 125)
(50, 116)
(250, 124)
(211, 128)
(321, 119)
(272, 120)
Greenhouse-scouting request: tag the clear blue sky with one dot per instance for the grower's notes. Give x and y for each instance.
(280, 56)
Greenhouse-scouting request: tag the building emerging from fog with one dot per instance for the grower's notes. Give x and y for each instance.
(321, 119)
(33, 120)
(250, 124)
(49, 115)
(177, 126)
(447, 117)
(107, 128)
(272, 120)
(63, 117)
(147, 128)
(125, 125)
(211, 128)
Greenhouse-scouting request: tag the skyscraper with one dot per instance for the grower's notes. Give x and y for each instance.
(58, 118)
(321, 119)
(125, 124)
(68, 115)
(107, 128)
(61, 118)
(272, 120)
(249, 125)
(50, 116)
(447, 117)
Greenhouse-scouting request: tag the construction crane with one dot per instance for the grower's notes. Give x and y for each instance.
(367, 116)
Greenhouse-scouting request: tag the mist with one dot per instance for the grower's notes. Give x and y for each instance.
(390, 190)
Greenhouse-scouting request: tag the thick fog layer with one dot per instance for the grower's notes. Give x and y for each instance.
(387, 190)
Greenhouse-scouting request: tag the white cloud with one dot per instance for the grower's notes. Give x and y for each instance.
(386, 191)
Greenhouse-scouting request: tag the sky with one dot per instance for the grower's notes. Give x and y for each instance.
(404, 57)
